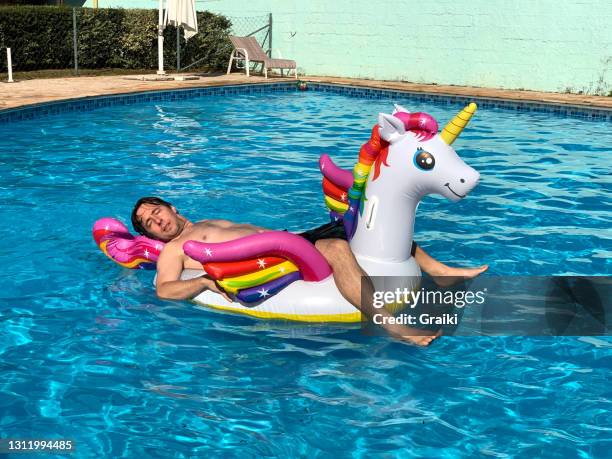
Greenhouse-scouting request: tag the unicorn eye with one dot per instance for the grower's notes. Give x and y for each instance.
(424, 160)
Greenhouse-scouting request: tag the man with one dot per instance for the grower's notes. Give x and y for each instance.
(158, 219)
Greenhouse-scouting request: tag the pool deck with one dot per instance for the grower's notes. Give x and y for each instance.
(28, 92)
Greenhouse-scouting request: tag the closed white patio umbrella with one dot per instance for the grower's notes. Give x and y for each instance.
(180, 13)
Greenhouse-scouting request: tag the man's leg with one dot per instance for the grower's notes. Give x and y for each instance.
(442, 274)
(348, 275)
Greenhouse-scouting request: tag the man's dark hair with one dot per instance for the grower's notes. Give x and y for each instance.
(136, 223)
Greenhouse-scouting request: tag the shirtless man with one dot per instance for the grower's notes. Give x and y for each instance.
(158, 219)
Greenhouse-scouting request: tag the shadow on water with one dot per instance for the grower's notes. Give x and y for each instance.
(508, 306)
(540, 306)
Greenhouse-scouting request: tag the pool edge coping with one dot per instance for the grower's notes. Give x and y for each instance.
(498, 94)
(119, 94)
(475, 97)
(585, 111)
(118, 82)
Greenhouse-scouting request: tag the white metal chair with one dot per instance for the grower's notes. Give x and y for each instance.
(247, 49)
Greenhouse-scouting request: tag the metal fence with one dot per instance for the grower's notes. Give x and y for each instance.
(259, 27)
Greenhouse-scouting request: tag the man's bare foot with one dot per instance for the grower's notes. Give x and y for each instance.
(422, 340)
(412, 335)
(448, 276)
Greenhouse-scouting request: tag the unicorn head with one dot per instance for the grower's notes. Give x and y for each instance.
(424, 162)
(404, 160)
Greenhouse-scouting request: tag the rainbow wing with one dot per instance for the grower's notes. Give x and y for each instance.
(254, 280)
(255, 267)
(118, 244)
(336, 185)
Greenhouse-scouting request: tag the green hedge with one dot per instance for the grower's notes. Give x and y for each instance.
(42, 38)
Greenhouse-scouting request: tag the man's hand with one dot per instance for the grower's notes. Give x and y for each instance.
(169, 284)
(214, 287)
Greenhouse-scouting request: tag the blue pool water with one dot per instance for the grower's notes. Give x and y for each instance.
(88, 352)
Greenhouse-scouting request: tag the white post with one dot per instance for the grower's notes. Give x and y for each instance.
(160, 40)
(10, 65)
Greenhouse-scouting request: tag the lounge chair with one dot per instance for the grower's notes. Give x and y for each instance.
(247, 49)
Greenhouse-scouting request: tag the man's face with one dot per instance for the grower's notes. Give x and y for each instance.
(161, 222)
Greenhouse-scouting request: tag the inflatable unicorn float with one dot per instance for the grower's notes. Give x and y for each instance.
(280, 275)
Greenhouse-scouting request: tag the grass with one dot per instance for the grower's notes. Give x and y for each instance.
(66, 73)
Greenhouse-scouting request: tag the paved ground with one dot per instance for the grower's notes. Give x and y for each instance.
(45, 90)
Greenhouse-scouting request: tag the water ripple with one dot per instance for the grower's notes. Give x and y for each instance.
(88, 352)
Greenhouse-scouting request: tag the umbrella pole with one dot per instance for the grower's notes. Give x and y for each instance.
(160, 40)
(9, 61)
(178, 48)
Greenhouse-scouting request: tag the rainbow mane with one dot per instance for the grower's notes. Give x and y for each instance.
(344, 197)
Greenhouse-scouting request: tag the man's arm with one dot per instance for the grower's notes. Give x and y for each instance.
(169, 284)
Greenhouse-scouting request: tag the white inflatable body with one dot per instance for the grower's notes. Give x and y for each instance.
(416, 161)
(312, 301)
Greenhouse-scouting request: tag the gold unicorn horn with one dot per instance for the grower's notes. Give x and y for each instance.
(454, 127)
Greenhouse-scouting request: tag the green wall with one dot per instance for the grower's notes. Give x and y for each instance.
(550, 45)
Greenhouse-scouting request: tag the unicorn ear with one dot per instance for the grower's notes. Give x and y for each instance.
(399, 109)
(390, 127)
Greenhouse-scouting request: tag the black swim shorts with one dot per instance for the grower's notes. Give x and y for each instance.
(333, 230)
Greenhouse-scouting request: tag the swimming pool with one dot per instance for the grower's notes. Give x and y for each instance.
(89, 353)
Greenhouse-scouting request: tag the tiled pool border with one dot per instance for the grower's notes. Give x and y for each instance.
(564, 110)
(91, 103)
